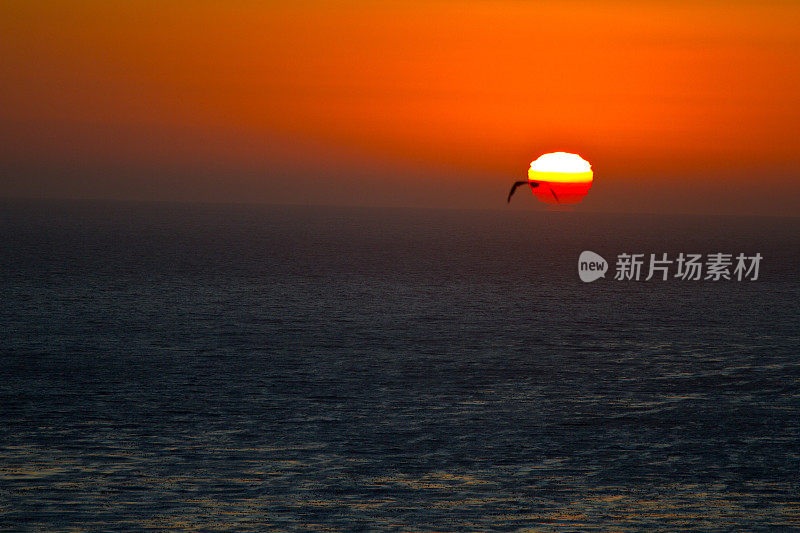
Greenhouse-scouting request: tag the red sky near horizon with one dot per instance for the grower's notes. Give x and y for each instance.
(679, 106)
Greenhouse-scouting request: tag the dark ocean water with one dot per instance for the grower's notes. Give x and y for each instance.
(259, 368)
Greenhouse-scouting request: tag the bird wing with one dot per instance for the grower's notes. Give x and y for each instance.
(514, 188)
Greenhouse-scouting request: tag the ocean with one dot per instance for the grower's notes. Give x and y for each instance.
(260, 368)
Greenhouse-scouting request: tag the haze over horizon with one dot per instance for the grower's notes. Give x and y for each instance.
(680, 107)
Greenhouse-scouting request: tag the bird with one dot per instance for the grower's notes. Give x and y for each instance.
(533, 184)
(517, 184)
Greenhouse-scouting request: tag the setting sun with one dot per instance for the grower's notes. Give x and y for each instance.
(560, 178)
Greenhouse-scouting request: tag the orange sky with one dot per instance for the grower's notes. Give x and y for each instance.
(680, 106)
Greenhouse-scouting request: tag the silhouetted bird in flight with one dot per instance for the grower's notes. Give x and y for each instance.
(533, 184)
(517, 184)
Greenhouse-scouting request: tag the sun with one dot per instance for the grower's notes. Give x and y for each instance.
(560, 178)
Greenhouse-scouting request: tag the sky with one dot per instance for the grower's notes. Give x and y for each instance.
(681, 107)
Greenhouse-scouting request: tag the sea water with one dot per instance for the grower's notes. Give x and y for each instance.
(252, 368)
